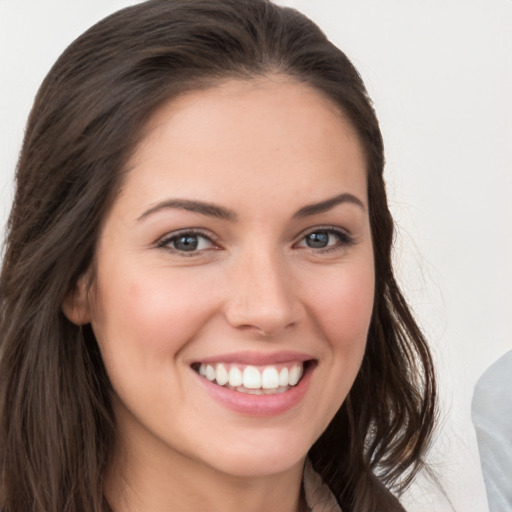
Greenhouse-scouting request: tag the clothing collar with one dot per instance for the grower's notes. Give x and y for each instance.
(318, 496)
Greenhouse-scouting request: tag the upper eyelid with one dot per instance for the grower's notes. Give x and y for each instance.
(345, 238)
(328, 228)
(164, 239)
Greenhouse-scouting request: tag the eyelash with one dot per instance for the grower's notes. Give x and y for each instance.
(344, 240)
(165, 242)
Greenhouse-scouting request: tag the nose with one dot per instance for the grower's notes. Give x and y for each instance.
(262, 295)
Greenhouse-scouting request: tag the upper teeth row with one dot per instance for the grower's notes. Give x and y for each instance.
(252, 377)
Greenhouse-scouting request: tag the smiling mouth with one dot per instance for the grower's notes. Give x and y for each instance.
(255, 380)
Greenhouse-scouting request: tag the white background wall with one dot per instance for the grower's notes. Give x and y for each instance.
(440, 74)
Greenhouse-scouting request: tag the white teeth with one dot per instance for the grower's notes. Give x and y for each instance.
(235, 377)
(283, 377)
(269, 378)
(294, 375)
(252, 379)
(210, 372)
(222, 375)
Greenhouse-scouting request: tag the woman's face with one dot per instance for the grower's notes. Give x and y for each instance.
(233, 282)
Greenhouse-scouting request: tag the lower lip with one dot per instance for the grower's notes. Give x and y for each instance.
(259, 405)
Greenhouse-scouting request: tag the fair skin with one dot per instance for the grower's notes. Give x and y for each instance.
(240, 239)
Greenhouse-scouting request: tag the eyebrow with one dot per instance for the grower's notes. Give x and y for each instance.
(219, 212)
(328, 204)
(209, 209)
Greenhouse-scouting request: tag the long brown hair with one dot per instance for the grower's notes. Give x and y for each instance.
(57, 427)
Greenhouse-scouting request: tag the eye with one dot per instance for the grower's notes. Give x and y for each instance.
(325, 239)
(187, 241)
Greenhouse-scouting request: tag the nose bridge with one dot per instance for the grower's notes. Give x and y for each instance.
(262, 294)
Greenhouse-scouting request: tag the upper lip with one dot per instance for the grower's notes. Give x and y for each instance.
(256, 358)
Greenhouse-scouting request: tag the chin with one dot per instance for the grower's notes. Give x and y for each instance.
(260, 457)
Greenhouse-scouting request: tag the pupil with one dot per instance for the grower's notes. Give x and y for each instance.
(318, 240)
(186, 243)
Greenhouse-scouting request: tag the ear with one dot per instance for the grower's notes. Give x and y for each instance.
(77, 305)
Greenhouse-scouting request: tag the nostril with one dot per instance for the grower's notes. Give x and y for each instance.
(263, 300)
(265, 324)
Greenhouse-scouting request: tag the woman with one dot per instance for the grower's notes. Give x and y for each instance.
(198, 305)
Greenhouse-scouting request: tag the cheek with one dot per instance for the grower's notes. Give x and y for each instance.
(343, 307)
(150, 315)
(341, 304)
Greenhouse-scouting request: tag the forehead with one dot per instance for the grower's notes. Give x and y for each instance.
(263, 135)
